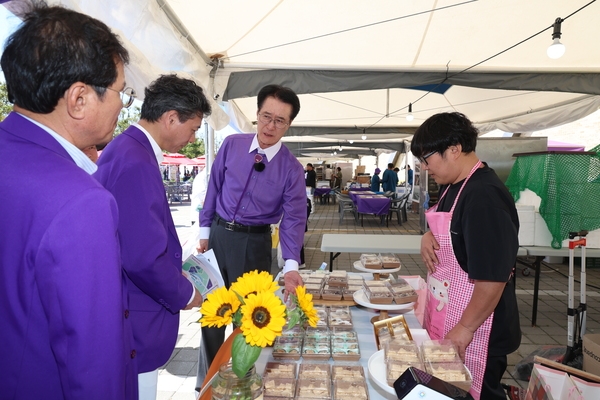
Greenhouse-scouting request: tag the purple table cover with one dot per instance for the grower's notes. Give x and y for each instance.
(355, 193)
(367, 204)
(321, 191)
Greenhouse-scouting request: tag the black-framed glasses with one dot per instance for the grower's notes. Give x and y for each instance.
(127, 95)
(266, 119)
(426, 156)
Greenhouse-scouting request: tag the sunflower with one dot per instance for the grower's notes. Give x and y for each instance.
(254, 282)
(306, 305)
(263, 317)
(219, 307)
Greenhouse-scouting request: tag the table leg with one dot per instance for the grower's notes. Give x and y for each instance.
(331, 258)
(536, 288)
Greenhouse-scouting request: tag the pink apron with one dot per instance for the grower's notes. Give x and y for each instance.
(449, 292)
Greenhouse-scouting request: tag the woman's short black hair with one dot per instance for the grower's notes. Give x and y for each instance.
(443, 130)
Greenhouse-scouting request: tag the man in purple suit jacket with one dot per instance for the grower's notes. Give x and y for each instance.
(63, 318)
(255, 181)
(129, 168)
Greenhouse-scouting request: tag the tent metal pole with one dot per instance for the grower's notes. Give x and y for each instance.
(210, 147)
(183, 30)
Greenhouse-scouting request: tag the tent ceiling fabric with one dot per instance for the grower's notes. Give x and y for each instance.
(356, 64)
(342, 55)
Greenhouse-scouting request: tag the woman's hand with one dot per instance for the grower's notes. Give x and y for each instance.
(428, 248)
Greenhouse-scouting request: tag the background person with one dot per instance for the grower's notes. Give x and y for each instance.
(396, 171)
(389, 179)
(375, 181)
(310, 176)
(64, 333)
(254, 181)
(171, 114)
(410, 174)
(337, 178)
(472, 248)
(91, 152)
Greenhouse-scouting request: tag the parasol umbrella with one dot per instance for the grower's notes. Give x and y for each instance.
(201, 161)
(177, 159)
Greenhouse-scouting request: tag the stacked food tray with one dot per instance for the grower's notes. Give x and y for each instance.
(314, 380)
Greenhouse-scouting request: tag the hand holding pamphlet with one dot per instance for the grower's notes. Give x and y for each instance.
(203, 271)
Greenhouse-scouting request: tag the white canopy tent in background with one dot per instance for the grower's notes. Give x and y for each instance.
(358, 65)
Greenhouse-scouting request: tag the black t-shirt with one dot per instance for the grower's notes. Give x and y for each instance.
(484, 232)
(311, 178)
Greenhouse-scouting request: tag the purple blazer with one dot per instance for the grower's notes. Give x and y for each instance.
(63, 331)
(150, 249)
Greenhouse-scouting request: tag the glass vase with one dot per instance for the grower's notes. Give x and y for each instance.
(227, 386)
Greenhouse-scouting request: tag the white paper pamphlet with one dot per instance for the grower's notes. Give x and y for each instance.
(203, 271)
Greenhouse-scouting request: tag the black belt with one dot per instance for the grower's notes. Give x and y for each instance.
(235, 227)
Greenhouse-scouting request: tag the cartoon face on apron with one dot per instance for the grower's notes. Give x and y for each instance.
(449, 293)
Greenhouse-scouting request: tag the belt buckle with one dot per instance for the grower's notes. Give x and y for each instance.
(230, 226)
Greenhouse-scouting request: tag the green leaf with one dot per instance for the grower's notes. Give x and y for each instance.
(237, 318)
(243, 355)
(294, 317)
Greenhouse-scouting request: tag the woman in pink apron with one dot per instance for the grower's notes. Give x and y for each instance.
(461, 308)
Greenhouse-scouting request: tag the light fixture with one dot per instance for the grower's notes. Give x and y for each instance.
(364, 137)
(335, 153)
(409, 116)
(350, 141)
(340, 148)
(556, 49)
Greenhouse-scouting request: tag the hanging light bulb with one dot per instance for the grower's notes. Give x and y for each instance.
(409, 116)
(364, 137)
(335, 153)
(556, 49)
(350, 141)
(340, 148)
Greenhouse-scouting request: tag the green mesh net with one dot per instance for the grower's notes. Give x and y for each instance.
(569, 186)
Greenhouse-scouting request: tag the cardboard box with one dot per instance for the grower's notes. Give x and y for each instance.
(360, 169)
(591, 353)
(363, 179)
(549, 377)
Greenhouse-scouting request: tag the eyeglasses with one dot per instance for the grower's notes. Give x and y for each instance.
(425, 157)
(127, 96)
(267, 119)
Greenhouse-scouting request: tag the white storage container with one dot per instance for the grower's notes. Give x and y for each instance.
(526, 224)
(542, 237)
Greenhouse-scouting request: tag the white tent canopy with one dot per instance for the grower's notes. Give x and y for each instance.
(357, 65)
